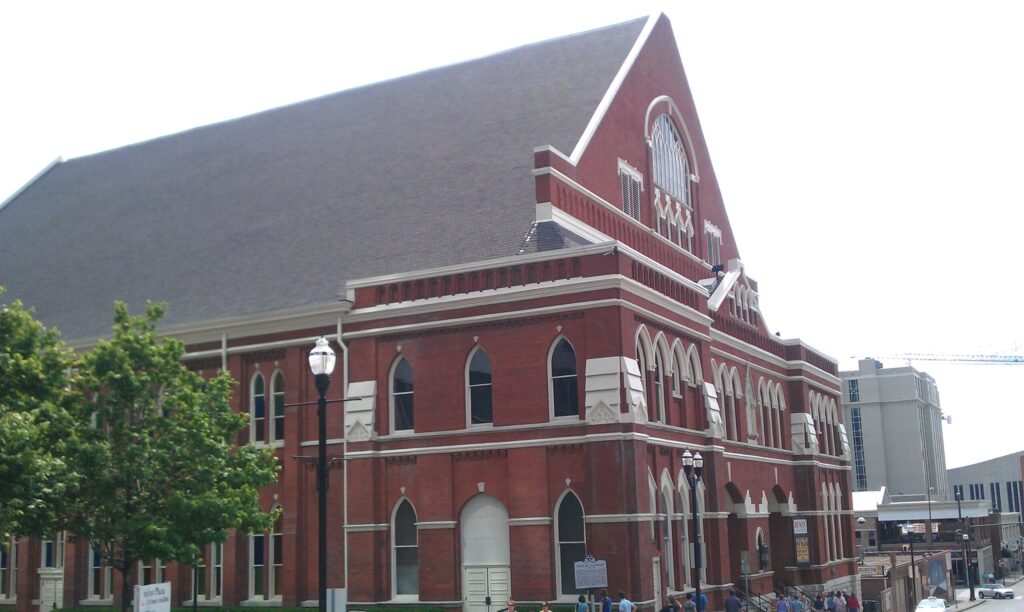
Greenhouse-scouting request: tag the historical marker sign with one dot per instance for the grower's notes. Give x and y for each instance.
(591, 573)
(153, 597)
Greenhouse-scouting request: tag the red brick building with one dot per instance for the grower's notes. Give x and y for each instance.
(514, 258)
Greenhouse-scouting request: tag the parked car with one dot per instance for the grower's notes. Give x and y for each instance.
(995, 591)
(932, 604)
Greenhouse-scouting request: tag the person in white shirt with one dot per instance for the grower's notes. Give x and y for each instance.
(625, 605)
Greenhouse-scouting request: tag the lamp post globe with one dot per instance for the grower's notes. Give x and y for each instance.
(322, 358)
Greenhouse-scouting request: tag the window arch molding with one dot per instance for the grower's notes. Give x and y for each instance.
(404, 571)
(555, 397)
(479, 388)
(401, 387)
(664, 105)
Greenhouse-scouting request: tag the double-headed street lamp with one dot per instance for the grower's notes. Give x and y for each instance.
(693, 466)
(967, 545)
(321, 363)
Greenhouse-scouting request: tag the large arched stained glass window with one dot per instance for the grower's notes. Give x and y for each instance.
(564, 390)
(671, 166)
(572, 542)
(479, 381)
(401, 396)
(406, 551)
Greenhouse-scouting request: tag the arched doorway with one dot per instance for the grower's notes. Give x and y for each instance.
(483, 534)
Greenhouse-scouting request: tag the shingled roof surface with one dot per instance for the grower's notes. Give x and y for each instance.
(279, 209)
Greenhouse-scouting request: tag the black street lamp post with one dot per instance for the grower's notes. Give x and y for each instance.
(967, 546)
(909, 532)
(693, 466)
(321, 363)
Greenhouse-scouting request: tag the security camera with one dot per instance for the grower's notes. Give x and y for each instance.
(861, 520)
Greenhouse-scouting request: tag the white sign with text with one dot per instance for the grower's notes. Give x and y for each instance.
(153, 597)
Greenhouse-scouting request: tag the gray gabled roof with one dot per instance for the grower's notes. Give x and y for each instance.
(279, 209)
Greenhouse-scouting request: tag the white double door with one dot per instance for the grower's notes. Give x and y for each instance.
(481, 582)
(483, 526)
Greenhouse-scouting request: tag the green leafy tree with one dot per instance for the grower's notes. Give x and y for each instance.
(35, 480)
(158, 453)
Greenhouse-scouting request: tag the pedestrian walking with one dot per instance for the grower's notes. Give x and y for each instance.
(732, 602)
(795, 605)
(781, 605)
(819, 602)
(830, 601)
(606, 602)
(671, 606)
(852, 603)
(581, 604)
(688, 605)
(625, 605)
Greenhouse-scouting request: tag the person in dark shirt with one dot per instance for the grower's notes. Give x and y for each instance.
(671, 606)
(606, 602)
(732, 602)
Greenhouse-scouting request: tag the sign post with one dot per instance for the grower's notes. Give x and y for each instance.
(591, 574)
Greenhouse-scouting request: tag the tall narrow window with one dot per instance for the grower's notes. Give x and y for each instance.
(401, 396)
(5, 571)
(258, 408)
(405, 551)
(277, 392)
(11, 583)
(631, 182)
(146, 572)
(100, 586)
(53, 552)
(276, 559)
(572, 542)
(671, 167)
(217, 572)
(198, 574)
(713, 241)
(257, 550)
(564, 389)
(658, 409)
(479, 382)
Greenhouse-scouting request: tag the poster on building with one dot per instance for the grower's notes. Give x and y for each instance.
(801, 542)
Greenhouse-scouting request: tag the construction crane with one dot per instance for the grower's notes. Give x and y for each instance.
(982, 359)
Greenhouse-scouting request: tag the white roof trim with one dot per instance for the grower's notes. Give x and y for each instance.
(613, 90)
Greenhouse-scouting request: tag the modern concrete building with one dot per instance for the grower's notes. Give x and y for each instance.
(894, 421)
(997, 481)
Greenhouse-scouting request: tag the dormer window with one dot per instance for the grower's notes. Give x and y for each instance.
(671, 166)
(632, 184)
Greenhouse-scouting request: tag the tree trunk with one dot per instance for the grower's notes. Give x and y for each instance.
(126, 588)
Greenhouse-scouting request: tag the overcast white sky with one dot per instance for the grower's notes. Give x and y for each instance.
(870, 153)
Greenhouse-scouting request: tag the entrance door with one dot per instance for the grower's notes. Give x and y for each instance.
(479, 583)
(483, 526)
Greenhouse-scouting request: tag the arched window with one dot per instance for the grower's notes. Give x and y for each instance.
(401, 396)
(258, 409)
(658, 409)
(667, 538)
(478, 380)
(405, 552)
(572, 542)
(671, 166)
(276, 559)
(277, 392)
(565, 399)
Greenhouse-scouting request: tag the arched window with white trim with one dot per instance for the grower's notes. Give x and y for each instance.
(405, 561)
(562, 369)
(571, 542)
(277, 393)
(402, 396)
(257, 409)
(658, 409)
(478, 388)
(671, 166)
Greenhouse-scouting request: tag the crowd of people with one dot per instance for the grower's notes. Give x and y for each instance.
(826, 601)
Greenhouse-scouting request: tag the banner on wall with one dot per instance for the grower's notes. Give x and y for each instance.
(801, 542)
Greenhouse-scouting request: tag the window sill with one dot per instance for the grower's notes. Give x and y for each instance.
(403, 432)
(405, 599)
(9, 602)
(261, 603)
(274, 444)
(480, 426)
(203, 603)
(95, 602)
